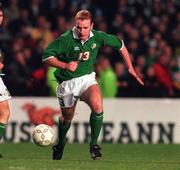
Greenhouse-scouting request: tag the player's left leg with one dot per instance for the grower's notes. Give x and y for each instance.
(92, 96)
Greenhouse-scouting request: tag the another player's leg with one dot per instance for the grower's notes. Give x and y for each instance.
(4, 116)
(63, 127)
(4, 107)
(92, 96)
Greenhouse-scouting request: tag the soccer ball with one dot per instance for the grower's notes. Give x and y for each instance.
(43, 135)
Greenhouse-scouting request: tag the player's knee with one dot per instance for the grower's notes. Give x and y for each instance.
(4, 112)
(4, 109)
(68, 119)
(68, 114)
(65, 119)
(97, 107)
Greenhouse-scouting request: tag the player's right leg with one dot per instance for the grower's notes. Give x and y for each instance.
(63, 127)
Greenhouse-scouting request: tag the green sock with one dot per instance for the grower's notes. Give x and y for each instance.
(2, 130)
(96, 120)
(63, 128)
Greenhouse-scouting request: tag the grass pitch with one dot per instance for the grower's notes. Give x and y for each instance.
(28, 156)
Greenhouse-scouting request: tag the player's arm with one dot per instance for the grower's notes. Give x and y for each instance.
(125, 54)
(54, 62)
(115, 42)
(54, 49)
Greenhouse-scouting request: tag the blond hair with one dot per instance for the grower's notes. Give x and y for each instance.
(83, 14)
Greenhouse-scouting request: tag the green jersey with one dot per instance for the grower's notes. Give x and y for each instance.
(69, 48)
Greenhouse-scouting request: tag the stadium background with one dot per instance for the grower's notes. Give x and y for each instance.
(149, 28)
(133, 114)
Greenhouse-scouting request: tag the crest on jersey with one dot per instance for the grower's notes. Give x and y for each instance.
(93, 46)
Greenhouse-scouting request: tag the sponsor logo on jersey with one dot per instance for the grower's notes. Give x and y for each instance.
(61, 90)
(93, 46)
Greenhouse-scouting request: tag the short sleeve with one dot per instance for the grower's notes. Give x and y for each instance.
(55, 49)
(111, 40)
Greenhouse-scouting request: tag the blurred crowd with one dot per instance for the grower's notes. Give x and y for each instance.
(149, 28)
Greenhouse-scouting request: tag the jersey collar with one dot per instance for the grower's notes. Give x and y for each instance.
(76, 36)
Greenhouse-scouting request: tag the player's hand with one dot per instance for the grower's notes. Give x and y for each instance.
(133, 73)
(72, 66)
(1, 66)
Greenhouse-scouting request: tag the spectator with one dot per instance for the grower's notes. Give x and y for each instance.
(19, 75)
(42, 30)
(107, 78)
(163, 76)
(122, 78)
(143, 25)
(152, 88)
(51, 81)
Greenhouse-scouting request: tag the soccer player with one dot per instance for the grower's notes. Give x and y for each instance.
(73, 54)
(4, 94)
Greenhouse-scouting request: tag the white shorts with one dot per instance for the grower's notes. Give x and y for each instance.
(69, 91)
(4, 93)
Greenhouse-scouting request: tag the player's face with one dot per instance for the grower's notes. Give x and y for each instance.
(1, 17)
(83, 28)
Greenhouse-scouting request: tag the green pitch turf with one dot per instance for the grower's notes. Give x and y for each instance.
(28, 156)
